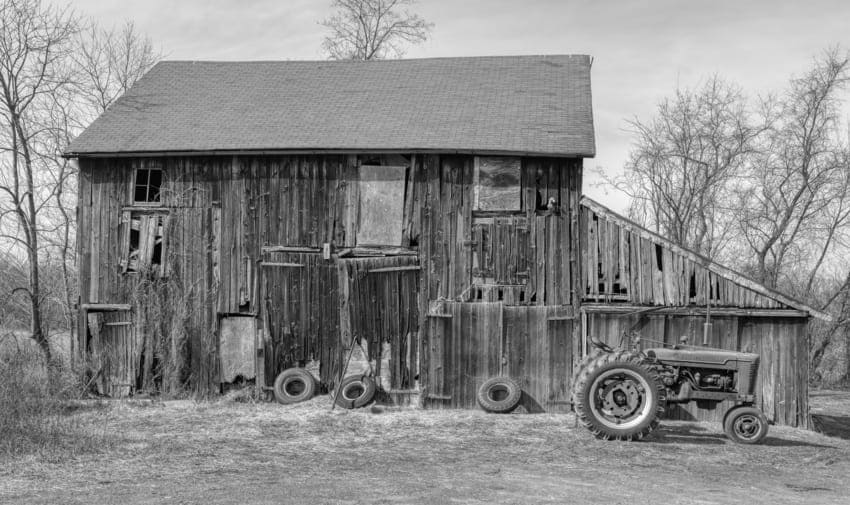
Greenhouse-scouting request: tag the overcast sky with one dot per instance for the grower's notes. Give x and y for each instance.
(641, 48)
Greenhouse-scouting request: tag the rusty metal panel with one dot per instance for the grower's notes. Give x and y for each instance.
(237, 347)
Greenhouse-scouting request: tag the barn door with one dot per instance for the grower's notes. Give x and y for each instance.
(300, 313)
(383, 314)
(473, 342)
(114, 351)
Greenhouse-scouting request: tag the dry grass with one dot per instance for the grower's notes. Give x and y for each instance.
(33, 421)
(238, 452)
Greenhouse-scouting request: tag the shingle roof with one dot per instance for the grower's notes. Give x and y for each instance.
(511, 104)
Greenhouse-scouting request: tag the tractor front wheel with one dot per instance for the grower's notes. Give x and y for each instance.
(618, 396)
(745, 425)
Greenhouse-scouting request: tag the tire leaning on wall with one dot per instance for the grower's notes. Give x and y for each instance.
(499, 395)
(356, 391)
(294, 385)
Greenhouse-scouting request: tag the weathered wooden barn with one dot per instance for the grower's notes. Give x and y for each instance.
(239, 218)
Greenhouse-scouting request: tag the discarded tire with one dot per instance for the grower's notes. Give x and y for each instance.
(499, 395)
(618, 396)
(356, 391)
(294, 385)
(745, 425)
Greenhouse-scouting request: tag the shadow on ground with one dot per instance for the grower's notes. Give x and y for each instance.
(698, 435)
(833, 426)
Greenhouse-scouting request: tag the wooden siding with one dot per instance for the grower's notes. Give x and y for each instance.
(223, 216)
(782, 385)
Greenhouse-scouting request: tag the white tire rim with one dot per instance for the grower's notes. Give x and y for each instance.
(626, 401)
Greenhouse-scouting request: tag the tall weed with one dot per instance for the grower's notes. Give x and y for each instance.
(33, 415)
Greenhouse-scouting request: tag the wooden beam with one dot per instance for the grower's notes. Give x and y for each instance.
(94, 307)
(393, 269)
(603, 308)
(283, 248)
(717, 268)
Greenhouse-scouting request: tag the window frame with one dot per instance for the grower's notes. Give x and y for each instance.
(477, 187)
(147, 185)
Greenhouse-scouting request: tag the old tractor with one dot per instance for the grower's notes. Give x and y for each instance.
(620, 394)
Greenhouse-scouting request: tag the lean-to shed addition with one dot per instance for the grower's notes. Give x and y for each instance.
(239, 218)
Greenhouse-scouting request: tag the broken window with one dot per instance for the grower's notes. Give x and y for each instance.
(497, 184)
(148, 182)
(144, 241)
(381, 205)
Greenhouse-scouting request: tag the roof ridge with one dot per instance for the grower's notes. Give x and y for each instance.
(393, 60)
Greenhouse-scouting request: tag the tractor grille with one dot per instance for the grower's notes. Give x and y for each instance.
(747, 373)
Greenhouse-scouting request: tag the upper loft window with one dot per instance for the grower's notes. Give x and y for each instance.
(497, 184)
(147, 188)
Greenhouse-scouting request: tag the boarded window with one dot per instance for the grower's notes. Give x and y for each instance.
(497, 184)
(381, 205)
(144, 242)
(148, 182)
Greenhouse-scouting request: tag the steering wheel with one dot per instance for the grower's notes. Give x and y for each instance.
(602, 346)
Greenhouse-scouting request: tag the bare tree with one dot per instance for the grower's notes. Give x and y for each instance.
(54, 79)
(686, 159)
(767, 189)
(107, 62)
(372, 29)
(35, 41)
(796, 196)
(110, 61)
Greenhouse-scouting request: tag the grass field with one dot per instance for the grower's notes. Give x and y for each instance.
(225, 452)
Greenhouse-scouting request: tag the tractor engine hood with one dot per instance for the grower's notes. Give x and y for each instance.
(702, 358)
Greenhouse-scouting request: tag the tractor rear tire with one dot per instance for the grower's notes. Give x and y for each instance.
(579, 369)
(356, 391)
(619, 396)
(294, 385)
(745, 425)
(499, 395)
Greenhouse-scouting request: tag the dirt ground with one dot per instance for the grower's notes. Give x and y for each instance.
(184, 452)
